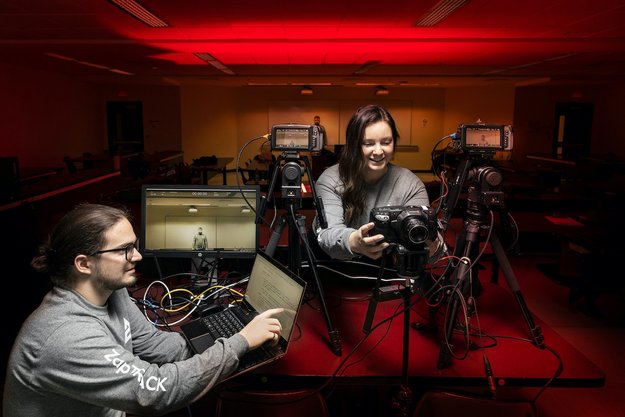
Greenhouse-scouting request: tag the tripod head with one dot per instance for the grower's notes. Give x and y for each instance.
(410, 263)
(484, 182)
(291, 166)
(485, 192)
(292, 171)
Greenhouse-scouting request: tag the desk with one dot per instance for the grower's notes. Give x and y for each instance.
(163, 162)
(100, 160)
(219, 166)
(550, 158)
(59, 184)
(29, 175)
(166, 157)
(514, 362)
(258, 172)
(89, 161)
(589, 244)
(158, 164)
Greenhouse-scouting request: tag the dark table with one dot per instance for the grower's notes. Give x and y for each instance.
(58, 184)
(32, 174)
(208, 169)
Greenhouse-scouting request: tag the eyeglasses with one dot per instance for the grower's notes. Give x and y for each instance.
(128, 250)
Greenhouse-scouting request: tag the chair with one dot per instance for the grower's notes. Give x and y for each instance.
(184, 174)
(245, 174)
(443, 404)
(138, 168)
(87, 163)
(300, 403)
(71, 167)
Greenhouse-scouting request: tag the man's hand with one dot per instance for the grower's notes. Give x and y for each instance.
(263, 328)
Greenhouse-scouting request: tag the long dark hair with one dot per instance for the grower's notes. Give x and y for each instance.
(352, 162)
(81, 231)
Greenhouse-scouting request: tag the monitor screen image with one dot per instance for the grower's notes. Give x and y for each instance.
(199, 221)
(483, 137)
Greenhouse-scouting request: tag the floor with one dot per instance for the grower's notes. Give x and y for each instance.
(597, 331)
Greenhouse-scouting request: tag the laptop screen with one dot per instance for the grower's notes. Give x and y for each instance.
(271, 285)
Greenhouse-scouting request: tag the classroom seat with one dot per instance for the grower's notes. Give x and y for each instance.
(300, 403)
(71, 167)
(444, 404)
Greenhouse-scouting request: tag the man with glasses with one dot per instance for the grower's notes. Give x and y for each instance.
(87, 350)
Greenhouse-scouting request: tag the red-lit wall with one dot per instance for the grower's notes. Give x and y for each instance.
(46, 116)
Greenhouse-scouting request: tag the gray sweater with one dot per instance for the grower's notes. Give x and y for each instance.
(398, 187)
(72, 358)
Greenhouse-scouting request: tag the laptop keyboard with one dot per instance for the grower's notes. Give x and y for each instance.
(226, 323)
(223, 324)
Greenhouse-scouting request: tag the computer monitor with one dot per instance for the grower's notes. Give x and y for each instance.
(199, 221)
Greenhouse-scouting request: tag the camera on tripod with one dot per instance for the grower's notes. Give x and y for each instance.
(410, 226)
(296, 137)
(484, 138)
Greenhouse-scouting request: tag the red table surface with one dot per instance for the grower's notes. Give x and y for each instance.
(514, 362)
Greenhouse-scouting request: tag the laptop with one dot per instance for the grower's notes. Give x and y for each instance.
(270, 285)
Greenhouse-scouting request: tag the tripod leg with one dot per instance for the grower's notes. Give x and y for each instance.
(275, 237)
(461, 273)
(403, 398)
(513, 284)
(295, 253)
(335, 339)
(459, 246)
(445, 354)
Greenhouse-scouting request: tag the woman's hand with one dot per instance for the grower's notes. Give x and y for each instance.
(263, 328)
(371, 246)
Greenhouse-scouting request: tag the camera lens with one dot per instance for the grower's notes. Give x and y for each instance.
(416, 231)
(412, 228)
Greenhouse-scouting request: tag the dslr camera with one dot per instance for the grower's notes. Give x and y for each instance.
(296, 137)
(410, 226)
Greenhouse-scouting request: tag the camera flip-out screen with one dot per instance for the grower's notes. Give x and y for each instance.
(486, 138)
(296, 137)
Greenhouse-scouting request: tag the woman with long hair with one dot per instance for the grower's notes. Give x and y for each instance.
(364, 178)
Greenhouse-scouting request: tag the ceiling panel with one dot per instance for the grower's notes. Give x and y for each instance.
(560, 40)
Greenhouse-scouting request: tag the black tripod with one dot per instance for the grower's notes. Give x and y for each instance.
(289, 165)
(410, 264)
(484, 193)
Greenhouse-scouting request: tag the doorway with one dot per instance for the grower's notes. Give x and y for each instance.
(573, 130)
(124, 121)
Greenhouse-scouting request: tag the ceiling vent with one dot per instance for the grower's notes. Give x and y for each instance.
(209, 59)
(440, 11)
(140, 13)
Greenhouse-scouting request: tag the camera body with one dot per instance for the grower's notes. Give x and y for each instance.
(410, 226)
(296, 137)
(485, 138)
